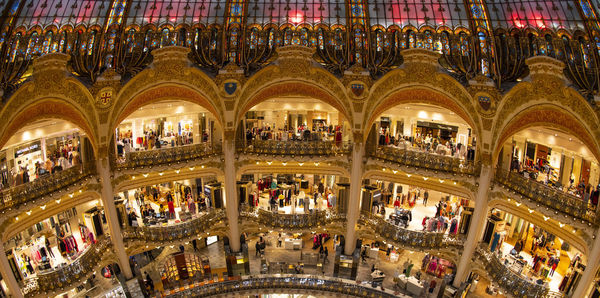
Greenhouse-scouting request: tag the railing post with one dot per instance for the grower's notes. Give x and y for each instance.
(102, 166)
(358, 152)
(477, 224)
(8, 275)
(230, 191)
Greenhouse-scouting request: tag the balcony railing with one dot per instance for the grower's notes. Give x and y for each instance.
(545, 195)
(297, 148)
(314, 219)
(409, 238)
(71, 274)
(24, 193)
(431, 161)
(262, 283)
(510, 281)
(168, 155)
(175, 232)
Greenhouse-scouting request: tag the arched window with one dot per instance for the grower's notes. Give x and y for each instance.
(445, 42)
(585, 52)
(148, 41)
(130, 39)
(320, 39)
(411, 39)
(15, 47)
(378, 40)
(463, 44)
(31, 47)
(91, 42)
(182, 37)
(304, 37)
(46, 48)
(428, 40)
(110, 42)
(533, 47)
(164, 38)
(549, 48)
(253, 38)
(287, 36)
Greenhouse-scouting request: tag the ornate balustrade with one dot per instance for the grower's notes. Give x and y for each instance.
(175, 232)
(545, 195)
(510, 281)
(297, 148)
(16, 196)
(316, 218)
(426, 160)
(71, 274)
(168, 155)
(408, 238)
(262, 283)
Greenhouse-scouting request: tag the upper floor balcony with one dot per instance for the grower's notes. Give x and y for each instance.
(176, 232)
(515, 284)
(426, 160)
(312, 220)
(297, 148)
(407, 238)
(166, 156)
(70, 274)
(316, 285)
(551, 197)
(43, 186)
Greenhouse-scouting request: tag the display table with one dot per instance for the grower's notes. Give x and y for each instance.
(394, 257)
(377, 276)
(411, 284)
(374, 253)
(293, 244)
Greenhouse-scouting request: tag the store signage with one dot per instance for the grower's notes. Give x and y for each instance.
(27, 149)
(437, 126)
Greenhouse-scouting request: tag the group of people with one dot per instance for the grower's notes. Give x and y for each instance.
(427, 143)
(60, 159)
(154, 140)
(302, 133)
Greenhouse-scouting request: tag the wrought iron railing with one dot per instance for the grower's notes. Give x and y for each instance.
(514, 283)
(409, 238)
(168, 155)
(28, 192)
(305, 283)
(72, 273)
(297, 148)
(548, 196)
(177, 231)
(314, 219)
(426, 160)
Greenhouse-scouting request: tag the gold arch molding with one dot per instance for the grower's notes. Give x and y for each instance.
(546, 115)
(49, 108)
(163, 91)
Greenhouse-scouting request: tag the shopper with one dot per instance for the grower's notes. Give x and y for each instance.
(149, 282)
(325, 255)
(425, 197)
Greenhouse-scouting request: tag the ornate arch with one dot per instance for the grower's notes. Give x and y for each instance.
(294, 73)
(52, 93)
(420, 81)
(50, 108)
(169, 77)
(544, 103)
(536, 218)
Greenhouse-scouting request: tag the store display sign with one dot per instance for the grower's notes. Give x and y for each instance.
(27, 149)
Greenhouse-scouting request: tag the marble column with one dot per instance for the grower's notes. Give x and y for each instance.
(477, 225)
(358, 152)
(589, 274)
(231, 200)
(8, 275)
(110, 211)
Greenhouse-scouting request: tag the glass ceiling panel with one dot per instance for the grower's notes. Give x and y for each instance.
(63, 12)
(539, 14)
(435, 13)
(296, 12)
